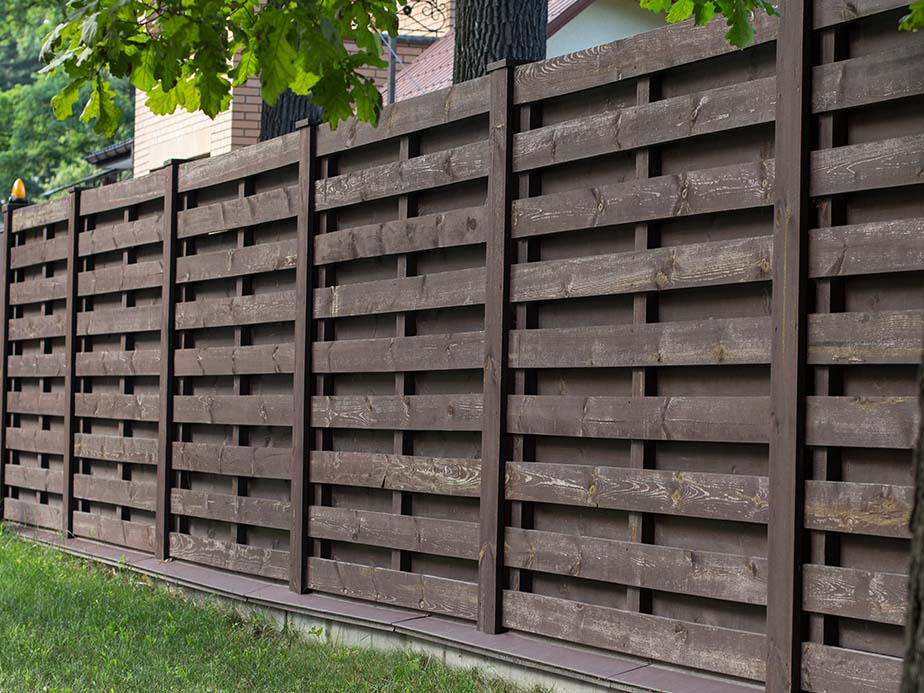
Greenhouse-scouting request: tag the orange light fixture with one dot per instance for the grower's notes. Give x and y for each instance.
(18, 193)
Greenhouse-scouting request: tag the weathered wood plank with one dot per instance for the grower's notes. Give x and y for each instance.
(660, 269)
(118, 363)
(413, 412)
(35, 440)
(865, 422)
(237, 262)
(48, 403)
(235, 360)
(728, 419)
(441, 290)
(826, 669)
(118, 320)
(859, 594)
(397, 588)
(417, 474)
(252, 410)
(443, 230)
(243, 310)
(125, 234)
(257, 512)
(37, 290)
(440, 352)
(706, 342)
(37, 366)
(832, 12)
(35, 478)
(116, 448)
(132, 494)
(419, 534)
(700, 646)
(707, 112)
(232, 460)
(259, 208)
(682, 571)
(133, 535)
(33, 216)
(855, 338)
(38, 252)
(265, 156)
(35, 514)
(446, 167)
(115, 406)
(430, 110)
(37, 326)
(141, 275)
(734, 497)
(739, 186)
(889, 246)
(882, 510)
(648, 52)
(124, 194)
(868, 166)
(239, 558)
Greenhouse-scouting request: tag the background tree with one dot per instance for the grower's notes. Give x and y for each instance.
(33, 144)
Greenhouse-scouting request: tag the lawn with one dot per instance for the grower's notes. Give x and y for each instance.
(71, 625)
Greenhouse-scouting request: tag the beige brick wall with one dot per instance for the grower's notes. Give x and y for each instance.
(185, 135)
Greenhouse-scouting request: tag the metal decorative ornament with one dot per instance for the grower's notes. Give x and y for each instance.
(429, 15)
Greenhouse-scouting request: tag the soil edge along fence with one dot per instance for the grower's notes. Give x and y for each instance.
(616, 349)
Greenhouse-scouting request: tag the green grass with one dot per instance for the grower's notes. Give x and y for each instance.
(68, 624)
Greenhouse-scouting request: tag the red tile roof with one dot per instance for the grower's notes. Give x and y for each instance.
(432, 69)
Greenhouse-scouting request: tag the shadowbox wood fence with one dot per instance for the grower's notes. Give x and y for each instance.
(617, 348)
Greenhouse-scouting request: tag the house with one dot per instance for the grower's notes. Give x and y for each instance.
(573, 25)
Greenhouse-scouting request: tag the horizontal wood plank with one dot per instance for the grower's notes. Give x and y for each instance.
(700, 646)
(826, 668)
(682, 571)
(413, 473)
(882, 510)
(34, 514)
(237, 360)
(245, 510)
(118, 407)
(277, 152)
(133, 535)
(233, 460)
(441, 352)
(259, 208)
(118, 321)
(240, 310)
(443, 230)
(858, 594)
(130, 277)
(855, 338)
(877, 247)
(35, 440)
(239, 558)
(126, 234)
(36, 366)
(413, 413)
(132, 494)
(396, 588)
(863, 422)
(252, 410)
(236, 262)
(116, 448)
(139, 362)
(868, 166)
(37, 252)
(32, 402)
(734, 497)
(34, 478)
(418, 534)
(719, 419)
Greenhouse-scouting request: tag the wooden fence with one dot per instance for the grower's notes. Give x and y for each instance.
(616, 348)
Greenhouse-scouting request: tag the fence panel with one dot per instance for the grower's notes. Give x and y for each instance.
(509, 357)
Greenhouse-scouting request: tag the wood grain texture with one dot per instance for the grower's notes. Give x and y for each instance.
(260, 208)
(135, 450)
(246, 310)
(134, 535)
(34, 478)
(682, 571)
(232, 460)
(252, 410)
(114, 406)
(826, 668)
(729, 419)
(865, 422)
(723, 650)
(414, 473)
(132, 494)
(238, 558)
(34, 514)
(692, 494)
(106, 238)
(440, 352)
(738, 186)
(224, 507)
(35, 440)
(394, 587)
(868, 166)
(860, 594)
(413, 412)
(141, 362)
(873, 248)
(872, 509)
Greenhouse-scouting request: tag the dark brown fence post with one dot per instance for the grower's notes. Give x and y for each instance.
(70, 351)
(4, 335)
(495, 444)
(166, 383)
(301, 384)
(788, 347)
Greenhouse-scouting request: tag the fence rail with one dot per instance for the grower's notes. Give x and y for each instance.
(616, 348)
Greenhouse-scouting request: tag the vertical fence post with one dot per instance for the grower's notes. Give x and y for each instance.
(166, 383)
(495, 443)
(70, 354)
(788, 347)
(4, 336)
(301, 383)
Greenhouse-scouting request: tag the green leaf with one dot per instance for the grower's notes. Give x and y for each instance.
(914, 20)
(680, 11)
(63, 102)
(161, 102)
(704, 13)
(102, 108)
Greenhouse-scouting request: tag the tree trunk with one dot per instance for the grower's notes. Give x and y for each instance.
(280, 119)
(913, 675)
(489, 31)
